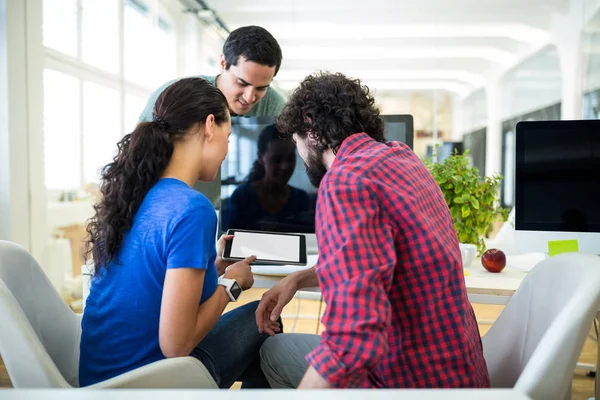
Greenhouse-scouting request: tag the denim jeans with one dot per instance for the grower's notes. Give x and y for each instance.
(230, 351)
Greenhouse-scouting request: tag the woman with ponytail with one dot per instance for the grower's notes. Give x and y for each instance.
(156, 291)
(266, 201)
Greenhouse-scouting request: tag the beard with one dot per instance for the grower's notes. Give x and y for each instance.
(315, 168)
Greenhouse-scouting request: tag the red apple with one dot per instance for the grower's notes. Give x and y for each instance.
(493, 260)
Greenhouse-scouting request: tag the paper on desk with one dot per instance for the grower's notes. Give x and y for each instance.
(525, 262)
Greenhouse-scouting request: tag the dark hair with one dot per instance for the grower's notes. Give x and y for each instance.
(267, 135)
(142, 157)
(330, 108)
(254, 44)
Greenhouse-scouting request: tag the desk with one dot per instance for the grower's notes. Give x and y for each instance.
(186, 394)
(482, 286)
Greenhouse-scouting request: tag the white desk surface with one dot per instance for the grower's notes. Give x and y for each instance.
(480, 281)
(185, 394)
(482, 285)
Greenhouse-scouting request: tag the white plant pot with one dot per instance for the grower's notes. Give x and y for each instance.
(468, 253)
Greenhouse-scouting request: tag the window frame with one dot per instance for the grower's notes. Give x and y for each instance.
(74, 66)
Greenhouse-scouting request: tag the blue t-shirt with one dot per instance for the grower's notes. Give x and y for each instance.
(175, 227)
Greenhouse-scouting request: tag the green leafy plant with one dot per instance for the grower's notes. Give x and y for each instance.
(473, 202)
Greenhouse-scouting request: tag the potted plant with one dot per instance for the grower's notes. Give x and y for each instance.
(473, 202)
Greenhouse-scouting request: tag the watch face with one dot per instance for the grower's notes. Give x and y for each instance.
(236, 290)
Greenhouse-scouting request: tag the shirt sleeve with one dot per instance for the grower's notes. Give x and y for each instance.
(191, 242)
(355, 270)
(276, 104)
(146, 115)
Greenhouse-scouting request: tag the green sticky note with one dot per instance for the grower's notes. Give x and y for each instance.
(562, 246)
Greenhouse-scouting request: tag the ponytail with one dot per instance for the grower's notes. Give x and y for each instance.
(142, 157)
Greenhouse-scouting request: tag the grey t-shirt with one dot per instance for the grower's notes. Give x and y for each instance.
(269, 106)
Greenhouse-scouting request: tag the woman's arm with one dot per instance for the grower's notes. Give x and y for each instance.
(183, 321)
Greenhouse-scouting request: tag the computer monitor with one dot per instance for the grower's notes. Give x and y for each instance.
(243, 198)
(399, 128)
(246, 202)
(557, 184)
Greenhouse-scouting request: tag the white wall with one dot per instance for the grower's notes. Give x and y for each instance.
(474, 111)
(535, 83)
(591, 53)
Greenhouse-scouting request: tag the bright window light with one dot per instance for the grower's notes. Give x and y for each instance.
(101, 128)
(134, 105)
(100, 34)
(140, 52)
(62, 142)
(60, 25)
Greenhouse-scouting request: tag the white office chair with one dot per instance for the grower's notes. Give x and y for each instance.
(39, 338)
(534, 344)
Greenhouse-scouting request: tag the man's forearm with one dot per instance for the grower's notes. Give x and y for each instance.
(305, 279)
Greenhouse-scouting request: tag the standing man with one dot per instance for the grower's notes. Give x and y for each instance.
(251, 58)
(389, 264)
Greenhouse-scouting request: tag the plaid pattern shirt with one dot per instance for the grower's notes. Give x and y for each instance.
(391, 274)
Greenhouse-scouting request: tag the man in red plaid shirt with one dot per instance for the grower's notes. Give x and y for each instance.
(389, 266)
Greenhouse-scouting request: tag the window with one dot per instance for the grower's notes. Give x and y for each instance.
(139, 49)
(62, 145)
(60, 25)
(134, 105)
(166, 41)
(101, 128)
(100, 34)
(150, 48)
(103, 59)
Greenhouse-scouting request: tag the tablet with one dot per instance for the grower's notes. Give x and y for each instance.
(268, 247)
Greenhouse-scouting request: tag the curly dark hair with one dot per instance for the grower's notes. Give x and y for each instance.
(142, 158)
(254, 43)
(331, 107)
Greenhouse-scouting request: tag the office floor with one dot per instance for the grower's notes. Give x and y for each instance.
(583, 386)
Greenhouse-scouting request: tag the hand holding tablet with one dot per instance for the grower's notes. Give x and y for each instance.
(268, 247)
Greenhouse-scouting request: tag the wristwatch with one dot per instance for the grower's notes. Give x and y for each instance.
(231, 287)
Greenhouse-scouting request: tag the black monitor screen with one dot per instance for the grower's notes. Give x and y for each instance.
(264, 185)
(557, 176)
(399, 128)
(264, 188)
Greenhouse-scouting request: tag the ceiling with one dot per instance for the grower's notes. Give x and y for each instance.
(397, 45)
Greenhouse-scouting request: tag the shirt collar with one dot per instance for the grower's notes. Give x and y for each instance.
(350, 145)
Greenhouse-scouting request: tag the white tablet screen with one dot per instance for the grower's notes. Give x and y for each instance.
(266, 246)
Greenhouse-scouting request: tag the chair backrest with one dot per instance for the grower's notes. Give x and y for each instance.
(39, 339)
(536, 341)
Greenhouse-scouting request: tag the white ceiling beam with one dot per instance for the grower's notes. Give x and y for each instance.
(465, 77)
(514, 31)
(385, 86)
(346, 53)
